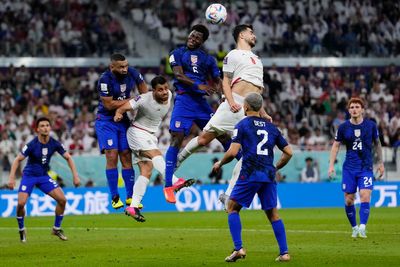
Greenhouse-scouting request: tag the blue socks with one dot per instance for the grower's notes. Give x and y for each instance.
(235, 227)
(21, 224)
(129, 179)
(112, 179)
(351, 214)
(364, 212)
(57, 222)
(280, 235)
(170, 159)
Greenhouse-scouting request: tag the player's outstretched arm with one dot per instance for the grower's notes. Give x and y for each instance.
(381, 167)
(287, 154)
(119, 113)
(111, 104)
(332, 159)
(72, 166)
(228, 156)
(14, 167)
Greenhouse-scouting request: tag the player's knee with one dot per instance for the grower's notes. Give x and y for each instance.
(112, 158)
(176, 139)
(20, 205)
(62, 201)
(202, 140)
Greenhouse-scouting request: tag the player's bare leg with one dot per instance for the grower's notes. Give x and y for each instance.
(22, 198)
(59, 197)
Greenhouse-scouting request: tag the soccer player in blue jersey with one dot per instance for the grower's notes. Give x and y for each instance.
(359, 135)
(257, 137)
(191, 66)
(115, 87)
(39, 152)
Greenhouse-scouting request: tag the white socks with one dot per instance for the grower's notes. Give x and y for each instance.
(159, 165)
(190, 148)
(235, 176)
(139, 189)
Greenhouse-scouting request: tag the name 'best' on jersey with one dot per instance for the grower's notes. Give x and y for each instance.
(196, 65)
(258, 138)
(110, 86)
(39, 156)
(358, 140)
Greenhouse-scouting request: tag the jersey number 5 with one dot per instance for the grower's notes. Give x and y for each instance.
(261, 151)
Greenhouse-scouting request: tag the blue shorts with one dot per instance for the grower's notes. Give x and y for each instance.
(187, 110)
(44, 183)
(111, 135)
(244, 192)
(353, 179)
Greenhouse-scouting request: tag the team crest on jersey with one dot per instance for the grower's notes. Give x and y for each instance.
(110, 142)
(45, 150)
(357, 132)
(193, 59)
(177, 124)
(123, 87)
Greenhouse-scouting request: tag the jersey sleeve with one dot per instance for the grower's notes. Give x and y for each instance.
(281, 142)
(229, 63)
(175, 58)
(137, 76)
(103, 87)
(213, 68)
(60, 148)
(138, 101)
(339, 134)
(237, 134)
(26, 150)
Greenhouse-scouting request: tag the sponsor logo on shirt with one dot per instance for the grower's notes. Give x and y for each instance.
(103, 87)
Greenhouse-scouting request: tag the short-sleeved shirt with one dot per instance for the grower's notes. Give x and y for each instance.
(39, 156)
(358, 140)
(197, 65)
(109, 86)
(258, 138)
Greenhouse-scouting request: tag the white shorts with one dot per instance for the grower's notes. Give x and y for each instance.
(141, 140)
(224, 120)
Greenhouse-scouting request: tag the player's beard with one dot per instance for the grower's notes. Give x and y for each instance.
(120, 76)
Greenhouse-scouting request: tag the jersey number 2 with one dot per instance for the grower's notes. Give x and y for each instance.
(261, 151)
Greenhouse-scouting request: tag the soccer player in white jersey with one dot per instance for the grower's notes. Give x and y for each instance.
(151, 109)
(243, 74)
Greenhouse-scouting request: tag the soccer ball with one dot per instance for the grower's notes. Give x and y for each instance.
(216, 13)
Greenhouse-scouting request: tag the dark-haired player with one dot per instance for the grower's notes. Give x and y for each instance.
(39, 152)
(115, 87)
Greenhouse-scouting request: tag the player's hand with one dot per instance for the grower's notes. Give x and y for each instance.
(381, 170)
(76, 181)
(11, 183)
(217, 167)
(235, 107)
(118, 117)
(331, 173)
(267, 117)
(209, 90)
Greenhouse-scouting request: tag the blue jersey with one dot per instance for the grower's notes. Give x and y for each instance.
(109, 85)
(358, 140)
(258, 138)
(197, 65)
(39, 156)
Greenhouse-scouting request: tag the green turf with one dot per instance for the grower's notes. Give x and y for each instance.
(316, 237)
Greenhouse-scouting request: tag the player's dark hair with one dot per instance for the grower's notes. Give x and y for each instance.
(40, 120)
(355, 100)
(240, 28)
(117, 57)
(157, 80)
(203, 29)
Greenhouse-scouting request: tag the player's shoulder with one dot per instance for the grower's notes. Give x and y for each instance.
(178, 50)
(369, 122)
(132, 70)
(34, 141)
(105, 77)
(53, 141)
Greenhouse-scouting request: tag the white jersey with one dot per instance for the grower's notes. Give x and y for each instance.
(244, 65)
(149, 112)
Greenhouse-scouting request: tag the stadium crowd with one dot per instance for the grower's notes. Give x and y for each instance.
(308, 27)
(58, 28)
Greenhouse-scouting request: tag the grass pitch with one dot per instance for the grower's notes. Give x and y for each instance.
(316, 237)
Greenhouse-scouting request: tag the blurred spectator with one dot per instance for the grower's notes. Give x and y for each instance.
(310, 173)
(215, 176)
